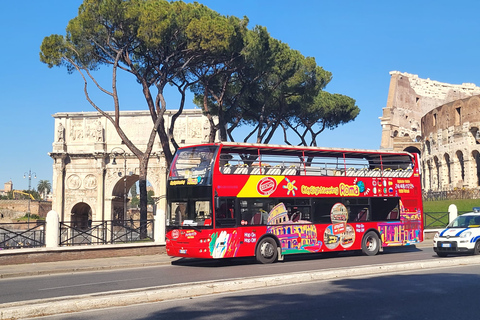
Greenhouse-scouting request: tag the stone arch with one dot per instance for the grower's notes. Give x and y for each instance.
(446, 156)
(427, 146)
(120, 195)
(412, 149)
(85, 145)
(429, 174)
(436, 161)
(476, 163)
(81, 216)
(460, 167)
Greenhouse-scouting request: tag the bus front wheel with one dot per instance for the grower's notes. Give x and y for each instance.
(266, 251)
(370, 244)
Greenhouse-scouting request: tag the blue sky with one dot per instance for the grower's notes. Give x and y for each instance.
(360, 42)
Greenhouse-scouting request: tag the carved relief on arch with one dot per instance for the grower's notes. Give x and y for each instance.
(90, 182)
(74, 182)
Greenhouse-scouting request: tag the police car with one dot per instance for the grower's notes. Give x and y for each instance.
(461, 235)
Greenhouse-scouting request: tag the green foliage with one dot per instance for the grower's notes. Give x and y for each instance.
(150, 195)
(44, 187)
(133, 190)
(135, 202)
(29, 216)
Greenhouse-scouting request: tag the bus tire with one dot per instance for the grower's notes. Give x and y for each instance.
(370, 244)
(266, 251)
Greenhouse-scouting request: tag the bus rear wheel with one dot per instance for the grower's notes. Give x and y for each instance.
(370, 244)
(266, 251)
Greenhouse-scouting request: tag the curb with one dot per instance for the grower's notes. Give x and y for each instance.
(46, 307)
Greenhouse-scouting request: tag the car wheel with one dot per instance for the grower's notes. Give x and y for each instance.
(442, 254)
(266, 251)
(370, 244)
(476, 250)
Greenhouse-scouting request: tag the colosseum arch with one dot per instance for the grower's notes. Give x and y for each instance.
(438, 175)
(460, 168)
(85, 174)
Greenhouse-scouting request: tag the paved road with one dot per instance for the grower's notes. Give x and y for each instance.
(78, 291)
(174, 272)
(445, 293)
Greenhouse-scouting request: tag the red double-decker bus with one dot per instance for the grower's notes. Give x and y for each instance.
(267, 201)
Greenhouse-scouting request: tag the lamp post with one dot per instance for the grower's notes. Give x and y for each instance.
(29, 175)
(114, 162)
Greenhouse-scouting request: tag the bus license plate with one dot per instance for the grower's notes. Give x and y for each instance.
(183, 251)
(446, 245)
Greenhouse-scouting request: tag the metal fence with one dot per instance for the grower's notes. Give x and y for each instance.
(435, 220)
(451, 194)
(105, 232)
(18, 235)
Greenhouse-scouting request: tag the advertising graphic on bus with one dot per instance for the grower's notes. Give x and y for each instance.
(266, 201)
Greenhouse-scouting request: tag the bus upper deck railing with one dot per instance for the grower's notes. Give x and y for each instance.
(315, 171)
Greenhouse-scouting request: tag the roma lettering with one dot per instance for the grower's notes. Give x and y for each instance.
(349, 190)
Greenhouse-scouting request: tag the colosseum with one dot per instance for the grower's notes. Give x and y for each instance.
(441, 122)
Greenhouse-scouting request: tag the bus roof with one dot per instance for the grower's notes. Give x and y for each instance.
(285, 149)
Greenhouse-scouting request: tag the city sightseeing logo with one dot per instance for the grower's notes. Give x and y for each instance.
(266, 186)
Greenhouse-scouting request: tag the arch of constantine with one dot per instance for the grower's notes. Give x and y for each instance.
(438, 120)
(93, 171)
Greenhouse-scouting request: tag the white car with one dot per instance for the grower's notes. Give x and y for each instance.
(461, 235)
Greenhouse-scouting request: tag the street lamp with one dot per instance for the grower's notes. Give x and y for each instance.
(29, 187)
(114, 162)
(29, 178)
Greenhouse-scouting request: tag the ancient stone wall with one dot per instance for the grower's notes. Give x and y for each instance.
(14, 209)
(409, 99)
(438, 121)
(451, 145)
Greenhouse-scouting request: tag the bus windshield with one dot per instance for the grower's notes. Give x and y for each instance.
(195, 162)
(193, 213)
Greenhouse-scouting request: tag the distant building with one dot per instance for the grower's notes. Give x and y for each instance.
(7, 187)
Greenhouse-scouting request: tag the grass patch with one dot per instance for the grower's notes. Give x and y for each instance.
(436, 212)
(463, 205)
(32, 217)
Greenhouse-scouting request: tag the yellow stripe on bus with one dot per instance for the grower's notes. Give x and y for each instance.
(250, 187)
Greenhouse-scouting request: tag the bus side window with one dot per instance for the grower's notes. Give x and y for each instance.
(261, 217)
(225, 214)
(362, 215)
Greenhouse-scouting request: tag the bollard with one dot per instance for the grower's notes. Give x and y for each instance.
(452, 212)
(52, 231)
